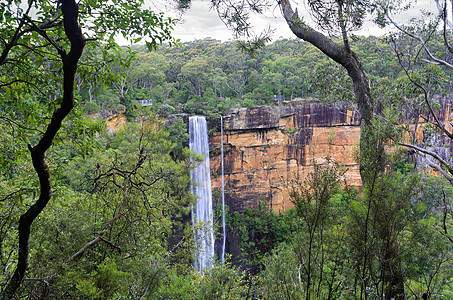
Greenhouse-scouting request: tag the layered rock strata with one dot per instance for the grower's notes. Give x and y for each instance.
(267, 146)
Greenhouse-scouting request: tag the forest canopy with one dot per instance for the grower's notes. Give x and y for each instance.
(93, 213)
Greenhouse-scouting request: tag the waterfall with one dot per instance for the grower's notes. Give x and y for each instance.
(223, 192)
(201, 187)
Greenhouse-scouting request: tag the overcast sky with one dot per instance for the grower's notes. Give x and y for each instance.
(200, 22)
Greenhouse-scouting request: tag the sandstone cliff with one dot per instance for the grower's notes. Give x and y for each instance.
(264, 146)
(267, 145)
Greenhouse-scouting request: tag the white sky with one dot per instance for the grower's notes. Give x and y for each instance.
(200, 22)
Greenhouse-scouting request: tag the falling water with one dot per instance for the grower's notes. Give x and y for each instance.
(223, 193)
(201, 187)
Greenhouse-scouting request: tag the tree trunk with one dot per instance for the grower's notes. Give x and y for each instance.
(372, 156)
(349, 60)
(70, 61)
(345, 57)
(392, 276)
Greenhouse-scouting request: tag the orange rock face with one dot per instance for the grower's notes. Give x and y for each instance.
(266, 146)
(116, 122)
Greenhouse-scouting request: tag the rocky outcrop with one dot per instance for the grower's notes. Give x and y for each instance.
(265, 146)
(116, 122)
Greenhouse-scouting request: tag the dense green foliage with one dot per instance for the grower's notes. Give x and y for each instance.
(209, 77)
(128, 191)
(333, 252)
(41, 47)
(117, 223)
(260, 230)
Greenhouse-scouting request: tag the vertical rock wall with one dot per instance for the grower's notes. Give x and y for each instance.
(265, 146)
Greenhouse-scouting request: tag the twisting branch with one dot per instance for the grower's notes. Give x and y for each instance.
(441, 171)
(344, 32)
(70, 61)
(426, 96)
(433, 59)
(444, 222)
(443, 12)
(16, 36)
(348, 59)
(43, 33)
(435, 156)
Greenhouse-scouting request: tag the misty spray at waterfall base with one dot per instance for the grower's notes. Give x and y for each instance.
(202, 212)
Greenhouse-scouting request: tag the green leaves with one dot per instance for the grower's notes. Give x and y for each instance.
(332, 15)
(134, 251)
(335, 86)
(33, 50)
(253, 46)
(130, 19)
(106, 282)
(260, 230)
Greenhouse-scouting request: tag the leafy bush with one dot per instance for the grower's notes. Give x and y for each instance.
(91, 108)
(260, 230)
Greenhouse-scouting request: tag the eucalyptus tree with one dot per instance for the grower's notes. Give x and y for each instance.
(193, 71)
(337, 18)
(334, 17)
(424, 50)
(416, 46)
(312, 200)
(41, 44)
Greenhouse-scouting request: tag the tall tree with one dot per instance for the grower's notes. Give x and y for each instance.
(336, 17)
(35, 41)
(424, 50)
(416, 46)
(339, 17)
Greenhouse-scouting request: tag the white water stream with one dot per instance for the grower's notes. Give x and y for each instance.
(202, 214)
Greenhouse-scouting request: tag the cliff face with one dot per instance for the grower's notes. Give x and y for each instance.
(265, 146)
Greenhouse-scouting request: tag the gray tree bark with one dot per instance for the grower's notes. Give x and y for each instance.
(372, 155)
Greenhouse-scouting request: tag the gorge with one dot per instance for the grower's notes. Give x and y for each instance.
(264, 146)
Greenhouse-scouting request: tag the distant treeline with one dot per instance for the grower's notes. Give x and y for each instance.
(209, 77)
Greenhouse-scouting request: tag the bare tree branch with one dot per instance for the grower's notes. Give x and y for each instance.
(426, 95)
(433, 60)
(432, 154)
